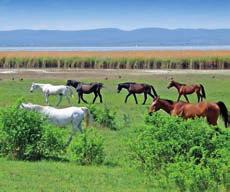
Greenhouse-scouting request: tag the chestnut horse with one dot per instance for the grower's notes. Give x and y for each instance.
(137, 88)
(185, 90)
(86, 88)
(186, 110)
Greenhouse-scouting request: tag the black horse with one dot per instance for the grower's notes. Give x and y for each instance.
(138, 88)
(86, 88)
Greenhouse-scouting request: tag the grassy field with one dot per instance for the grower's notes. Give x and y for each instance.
(117, 173)
(219, 59)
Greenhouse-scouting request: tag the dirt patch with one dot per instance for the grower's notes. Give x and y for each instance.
(95, 73)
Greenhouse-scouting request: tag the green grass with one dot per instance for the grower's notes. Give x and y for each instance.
(117, 173)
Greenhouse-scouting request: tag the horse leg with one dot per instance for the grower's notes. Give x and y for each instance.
(68, 99)
(99, 93)
(95, 96)
(134, 95)
(126, 98)
(69, 139)
(212, 119)
(145, 98)
(83, 99)
(178, 99)
(151, 95)
(60, 99)
(76, 124)
(80, 128)
(199, 96)
(79, 98)
(185, 96)
(46, 99)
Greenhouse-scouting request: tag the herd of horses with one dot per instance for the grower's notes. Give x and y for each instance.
(209, 110)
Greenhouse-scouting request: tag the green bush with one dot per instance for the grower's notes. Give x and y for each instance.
(104, 117)
(26, 135)
(87, 148)
(190, 154)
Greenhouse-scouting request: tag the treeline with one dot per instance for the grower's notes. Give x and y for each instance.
(115, 63)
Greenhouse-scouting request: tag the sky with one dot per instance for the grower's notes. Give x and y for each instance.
(122, 14)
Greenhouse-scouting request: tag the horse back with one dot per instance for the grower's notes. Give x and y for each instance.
(87, 88)
(195, 110)
(137, 88)
(189, 89)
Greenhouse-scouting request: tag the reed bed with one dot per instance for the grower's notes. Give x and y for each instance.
(117, 60)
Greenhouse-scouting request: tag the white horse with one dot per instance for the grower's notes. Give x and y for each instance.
(48, 89)
(62, 117)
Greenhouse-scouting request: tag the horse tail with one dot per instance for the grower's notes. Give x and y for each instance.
(223, 112)
(154, 91)
(86, 115)
(203, 91)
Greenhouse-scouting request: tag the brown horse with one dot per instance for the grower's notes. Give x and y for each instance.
(186, 110)
(86, 88)
(137, 88)
(185, 90)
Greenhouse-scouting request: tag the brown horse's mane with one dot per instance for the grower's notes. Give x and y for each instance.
(129, 83)
(168, 100)
(183, 84)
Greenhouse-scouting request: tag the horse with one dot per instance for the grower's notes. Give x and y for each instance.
(137, 88)
(187, 110)
(86, 88)
(184, 90)
(48, 89)
(62, 117)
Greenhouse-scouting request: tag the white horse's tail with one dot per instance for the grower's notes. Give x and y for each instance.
(70, 90)
(87, 115)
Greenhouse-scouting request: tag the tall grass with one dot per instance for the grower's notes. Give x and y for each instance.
(115, 63)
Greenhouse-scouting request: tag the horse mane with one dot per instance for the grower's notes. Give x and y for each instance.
(128, 83)
(183, 84)
(168, 100)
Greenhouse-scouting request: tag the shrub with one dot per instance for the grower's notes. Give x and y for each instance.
(189, 153)
(104, 117)
(87, 148)
(27, 136)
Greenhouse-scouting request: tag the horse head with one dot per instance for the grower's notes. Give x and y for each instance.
(119, 87)
(171, 84)
(72, 83)
(26, 105)
(155, 106)
(29, 106)
(22, 106)
(33, 87)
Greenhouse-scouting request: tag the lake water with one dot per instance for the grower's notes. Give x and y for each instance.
(137, 48)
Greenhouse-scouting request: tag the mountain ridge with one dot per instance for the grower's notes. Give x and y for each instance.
(115, 37)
